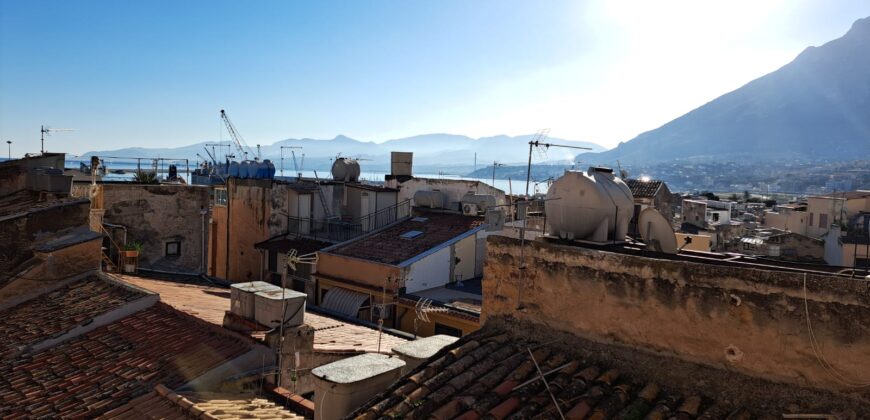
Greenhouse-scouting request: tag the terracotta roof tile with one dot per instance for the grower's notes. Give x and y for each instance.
(489, 374)
(107, 367)
(389, 247)
(59, 311)
(643, 189)
(163, 403)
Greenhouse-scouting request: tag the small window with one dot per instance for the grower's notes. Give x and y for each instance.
(441, 329)
(823, 220)
(173, 248)
(411, 234)
(220, 197)
(273, 262)
(811, 219)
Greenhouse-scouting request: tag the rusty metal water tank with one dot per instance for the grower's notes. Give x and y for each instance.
(345, 169)
(594, 205)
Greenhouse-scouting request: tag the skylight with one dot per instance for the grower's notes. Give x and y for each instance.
(411, 234)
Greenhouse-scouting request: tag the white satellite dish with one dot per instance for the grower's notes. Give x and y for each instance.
(656, 231)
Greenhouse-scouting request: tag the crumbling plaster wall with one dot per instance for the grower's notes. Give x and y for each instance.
(157, 214)
(18, 234)
(749, 320)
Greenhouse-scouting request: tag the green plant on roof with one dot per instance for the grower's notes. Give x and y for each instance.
(145, 177)
(133, 246)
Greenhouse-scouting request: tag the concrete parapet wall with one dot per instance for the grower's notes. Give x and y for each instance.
(747, 320)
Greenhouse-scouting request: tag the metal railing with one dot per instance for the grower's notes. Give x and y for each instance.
(343, 230)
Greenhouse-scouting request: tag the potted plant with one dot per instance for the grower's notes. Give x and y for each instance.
(132, 249)
(130, 256)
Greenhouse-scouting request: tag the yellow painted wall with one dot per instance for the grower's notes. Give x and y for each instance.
(699, 242)
(426, 329)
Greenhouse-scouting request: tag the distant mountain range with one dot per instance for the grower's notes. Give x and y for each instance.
(815, 107)
(432, 150)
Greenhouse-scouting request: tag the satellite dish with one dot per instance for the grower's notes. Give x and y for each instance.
(656, 231)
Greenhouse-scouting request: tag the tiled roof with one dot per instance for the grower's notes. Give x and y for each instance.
(489, 374)
(210, 303)
(389, 247)
(164, 404)
(59, 311)
(28, 201)
(105, 368)
(282, 245)
(643, 189)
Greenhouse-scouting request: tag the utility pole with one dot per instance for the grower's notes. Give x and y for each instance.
(9, 142)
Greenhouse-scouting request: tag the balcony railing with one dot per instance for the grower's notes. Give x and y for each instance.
(337, 230)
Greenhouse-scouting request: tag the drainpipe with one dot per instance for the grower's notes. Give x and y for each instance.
(203, 212)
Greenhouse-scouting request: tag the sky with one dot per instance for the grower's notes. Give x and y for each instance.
(157, 73)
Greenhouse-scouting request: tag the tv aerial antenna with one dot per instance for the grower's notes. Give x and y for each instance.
(45, 131)
(422, 309)
(383, 305)
(292, 260)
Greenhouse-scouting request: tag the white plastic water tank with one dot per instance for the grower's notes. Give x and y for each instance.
(242, 297)
(429, 199)
(594, 205)
(269, 305)
(345, 169)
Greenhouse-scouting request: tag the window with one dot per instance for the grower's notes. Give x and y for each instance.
(173, 248)
(823, 220)
(220, 197)
(812, 217)
(441, 329)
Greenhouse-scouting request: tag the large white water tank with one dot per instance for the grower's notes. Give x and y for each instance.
(594, 206)
(345, 169)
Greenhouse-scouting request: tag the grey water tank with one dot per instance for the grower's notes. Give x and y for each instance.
(483, 201)
(345, 169)
(594, 205)
(429, 199)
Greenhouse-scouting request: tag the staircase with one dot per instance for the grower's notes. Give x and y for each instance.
(110, 264)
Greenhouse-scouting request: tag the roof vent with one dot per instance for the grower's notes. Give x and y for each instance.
(411, 234)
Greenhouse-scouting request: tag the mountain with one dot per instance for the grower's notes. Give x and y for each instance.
(815, 107)
(430, 150)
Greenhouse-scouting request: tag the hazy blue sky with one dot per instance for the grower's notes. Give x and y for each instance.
(149, 73)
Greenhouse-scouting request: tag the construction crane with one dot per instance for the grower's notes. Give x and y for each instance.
(241, 146)
(293, 153)
(43, 131)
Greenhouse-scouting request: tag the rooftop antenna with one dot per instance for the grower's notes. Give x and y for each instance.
(293, 259)
(45, 130)
(382, 307)
(538, 141)
(422, 309)
(495, 164)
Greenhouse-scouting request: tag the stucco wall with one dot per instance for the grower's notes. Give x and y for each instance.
(157, 214)
(749, 320)
(355, 270)
(430, 271)
(792, 221)
(18, 234)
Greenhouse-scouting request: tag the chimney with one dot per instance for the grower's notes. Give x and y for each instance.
(413, 353)
(341, 387)
(401, 163)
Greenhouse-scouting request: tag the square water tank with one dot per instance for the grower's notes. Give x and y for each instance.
(242, 297)
(269, 304)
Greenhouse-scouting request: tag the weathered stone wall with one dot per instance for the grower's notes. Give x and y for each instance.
(748, 320)
(157, 214)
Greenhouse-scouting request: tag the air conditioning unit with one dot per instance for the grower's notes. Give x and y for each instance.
(469, 209)
(242, 297)
(269, 306)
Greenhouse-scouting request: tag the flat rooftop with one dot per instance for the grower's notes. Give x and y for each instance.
(210, 303)
(465, 297)
(404, 240)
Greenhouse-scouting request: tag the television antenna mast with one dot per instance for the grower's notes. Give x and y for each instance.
(539, 142)
(292, 260)
(45, 130)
